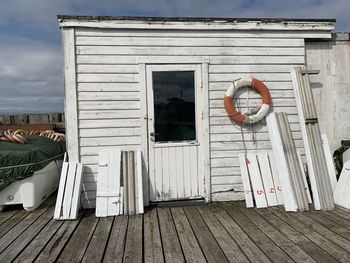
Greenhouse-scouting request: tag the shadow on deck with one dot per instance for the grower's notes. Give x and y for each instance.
(217, 232)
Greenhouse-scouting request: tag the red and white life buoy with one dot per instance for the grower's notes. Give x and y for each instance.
(258, 86)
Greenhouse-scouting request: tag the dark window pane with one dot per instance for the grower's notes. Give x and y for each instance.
(174, 106)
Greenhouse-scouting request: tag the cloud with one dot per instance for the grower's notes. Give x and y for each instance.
(30, 71)
(30, 52)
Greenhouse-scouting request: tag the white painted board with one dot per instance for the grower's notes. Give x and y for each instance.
(267, 179)
(311, 169)
(276, 179)
(246, 181)
(329, 161)
(113, 201)
(139, 185)
(76, 192)
(108, 183)
(341, 192)
(61, 190)
(68, 193)
(255, 178)
(281, 165)
(306, 185)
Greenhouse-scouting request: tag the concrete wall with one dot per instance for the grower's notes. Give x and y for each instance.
(332, 85)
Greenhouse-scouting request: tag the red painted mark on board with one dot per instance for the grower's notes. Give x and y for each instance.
(260, 192)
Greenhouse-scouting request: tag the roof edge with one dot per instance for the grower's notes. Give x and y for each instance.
(189, 19)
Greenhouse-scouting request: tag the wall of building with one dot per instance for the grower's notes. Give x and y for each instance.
(108, 91)
(331, 87)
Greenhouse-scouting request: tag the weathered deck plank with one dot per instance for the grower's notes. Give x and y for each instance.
(115, 247)
(15, 219)
(171, 244)
(75, 248)
(190, 247)
(153, 251)
(251, 250)
(336, 251)
(133, 246)
(32, 251)
(293, 251)
(56, 244)
(296, 237)
(96, 248)
(22, 225)
(270, 249)
(7, 214)
(210, 247)
(218, 232)
(225, 241)
(26, 236)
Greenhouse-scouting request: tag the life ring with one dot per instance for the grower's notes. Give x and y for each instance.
(258, 86)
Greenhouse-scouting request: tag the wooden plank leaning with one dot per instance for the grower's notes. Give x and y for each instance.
(68, 197)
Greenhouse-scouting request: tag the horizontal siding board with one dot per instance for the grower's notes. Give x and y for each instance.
(114, 132)
(108, 114)
(225, 171)
(109, 141)
(108, 105)
(121, 69)
(92, 32)
(240, 146)
(259, 59)
(106, 87)
(225, 77)
(220, 60)
(277, 103)
(187, 42)
(236, 188)
(190, 51)
(226, 180)
(94, 150)
(242, 93)
(258, 136)
(235, 128)
(221, 112)
(106, 59)
(272, 85)
(226, 120)
(101, 78)
(114, 123)
(250, 68)
(108, 96)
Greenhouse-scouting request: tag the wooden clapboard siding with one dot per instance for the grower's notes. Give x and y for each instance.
(272, 34)
(109, 91)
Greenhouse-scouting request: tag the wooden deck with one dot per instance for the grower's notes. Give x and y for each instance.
(218, 232)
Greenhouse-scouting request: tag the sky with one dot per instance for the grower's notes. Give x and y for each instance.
(31, 78)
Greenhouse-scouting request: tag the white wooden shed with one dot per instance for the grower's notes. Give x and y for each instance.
(125, 76)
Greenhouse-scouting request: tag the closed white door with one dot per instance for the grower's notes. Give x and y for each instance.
(174, 102)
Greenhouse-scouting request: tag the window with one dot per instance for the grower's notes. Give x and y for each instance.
(174, 106)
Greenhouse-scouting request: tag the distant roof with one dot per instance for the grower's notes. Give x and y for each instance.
(194, 19)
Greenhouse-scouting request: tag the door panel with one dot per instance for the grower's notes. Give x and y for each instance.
(175, 134)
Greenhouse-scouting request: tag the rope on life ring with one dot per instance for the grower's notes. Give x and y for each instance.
(258, 86)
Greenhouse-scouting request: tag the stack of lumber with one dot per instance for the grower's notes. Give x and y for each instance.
(260, 180)
(316, 160)
(68, 196)
(119, 183)
(289, 165)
